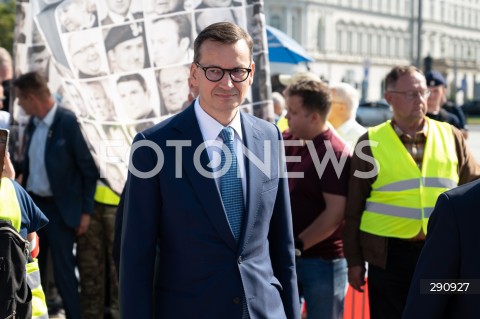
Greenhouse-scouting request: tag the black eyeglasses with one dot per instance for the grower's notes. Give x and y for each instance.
(215, 73)
(412, 95)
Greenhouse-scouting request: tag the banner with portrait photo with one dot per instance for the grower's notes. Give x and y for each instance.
(123, 65)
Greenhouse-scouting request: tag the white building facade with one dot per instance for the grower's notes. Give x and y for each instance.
(359, 41)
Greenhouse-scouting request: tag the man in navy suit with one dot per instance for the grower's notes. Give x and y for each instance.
(60, 175)
(450, 256)
(209, 266)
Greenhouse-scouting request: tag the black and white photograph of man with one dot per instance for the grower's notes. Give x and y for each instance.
(206, 17)
(119, 11)
(134, 97)
(101, 106)
(126, 49)
(173, 88)
(159, 7)
(87, 54)
(170, 40)
(39, 60)
(75, 15)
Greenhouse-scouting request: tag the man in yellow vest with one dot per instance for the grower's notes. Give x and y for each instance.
(399, 168)
(94, 257)
(17, 207)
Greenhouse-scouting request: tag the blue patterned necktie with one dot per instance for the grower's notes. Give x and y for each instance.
(232, 194)
(231, 185)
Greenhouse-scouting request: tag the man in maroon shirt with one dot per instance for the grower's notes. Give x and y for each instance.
(318, 178)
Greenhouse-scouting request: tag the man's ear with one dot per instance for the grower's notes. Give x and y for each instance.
(252, 73)
(388, 97)
(193, 73)
(315, 116)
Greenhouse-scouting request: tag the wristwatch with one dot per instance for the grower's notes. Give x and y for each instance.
(298, 247)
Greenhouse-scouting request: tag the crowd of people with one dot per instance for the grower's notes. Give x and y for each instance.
(248, 227)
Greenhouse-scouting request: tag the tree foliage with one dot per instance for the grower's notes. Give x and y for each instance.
(7, 24)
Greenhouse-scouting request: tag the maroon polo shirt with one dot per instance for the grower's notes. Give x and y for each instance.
(306, 193)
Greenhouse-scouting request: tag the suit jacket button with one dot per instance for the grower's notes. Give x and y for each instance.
(236, 300)
(240, 259)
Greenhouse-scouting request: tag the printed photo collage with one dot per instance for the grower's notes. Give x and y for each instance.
(123, 66)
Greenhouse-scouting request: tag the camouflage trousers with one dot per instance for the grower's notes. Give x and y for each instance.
(94, 257)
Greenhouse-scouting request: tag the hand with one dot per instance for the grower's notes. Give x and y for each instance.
(356, 277)
(8, 170)
(84, 222)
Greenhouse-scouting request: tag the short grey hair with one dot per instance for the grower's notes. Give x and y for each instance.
(344, 92)
(278, 99)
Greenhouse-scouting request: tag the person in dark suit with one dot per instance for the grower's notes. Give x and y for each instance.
(60, 175)
(450, 255)
(221, 253)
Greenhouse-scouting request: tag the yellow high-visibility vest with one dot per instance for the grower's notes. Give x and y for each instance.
(105, 195)
(282, 124)
(403, 196)
(9, 206)
(10, 210)
(39, 305)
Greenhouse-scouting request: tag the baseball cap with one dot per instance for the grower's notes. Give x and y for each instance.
(122, 33)
(287, 79)
(435, 78)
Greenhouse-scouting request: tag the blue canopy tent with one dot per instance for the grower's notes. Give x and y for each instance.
(283, 49)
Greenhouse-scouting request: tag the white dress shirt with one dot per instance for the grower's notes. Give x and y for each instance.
(211, 129)
(350, 131)
(38, 182)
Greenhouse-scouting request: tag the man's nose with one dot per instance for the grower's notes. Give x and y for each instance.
(226, 80)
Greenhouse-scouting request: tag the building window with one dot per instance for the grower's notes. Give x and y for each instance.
(396, 49)
(369, 44)
(339, 41)
(442, 11)
(360, 40)
(408, 8)
(294, 26)
(276, 22)
(320, 35)
(388, 46)
(431, 49)
(406, 47)
(348, 43)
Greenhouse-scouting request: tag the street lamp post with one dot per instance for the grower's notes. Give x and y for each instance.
(419, 34)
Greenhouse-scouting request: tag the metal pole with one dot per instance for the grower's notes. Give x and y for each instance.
(412, 31)
(419, 34)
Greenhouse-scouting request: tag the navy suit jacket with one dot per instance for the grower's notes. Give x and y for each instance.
(71, 170)
(451, 252)
(203, 272)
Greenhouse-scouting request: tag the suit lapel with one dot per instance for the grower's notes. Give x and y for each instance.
(204, 186)
(253, 141)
